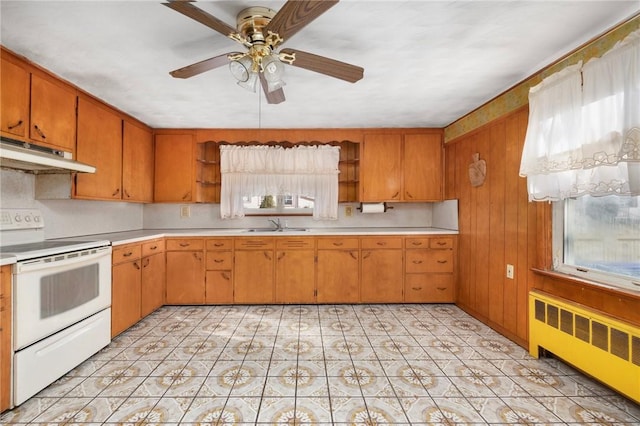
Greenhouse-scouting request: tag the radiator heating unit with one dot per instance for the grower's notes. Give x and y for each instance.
(603, 347)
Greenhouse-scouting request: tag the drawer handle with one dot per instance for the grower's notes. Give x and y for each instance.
(185, 244)
(441, 288)
(442, 261)
(153, 247)
(135, 265)
(417, 262)
(338, 244)
(218, 244)
(218, 260)
(441, 243)
(416, 243)
(416, 288)
(127, 254)
(381, 243)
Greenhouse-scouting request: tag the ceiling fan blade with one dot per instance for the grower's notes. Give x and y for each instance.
(202, 66)
(275, 97)
(193, 12)
(295, 15)
(326, 66)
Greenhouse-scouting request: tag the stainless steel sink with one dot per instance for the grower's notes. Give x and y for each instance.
(277, 229)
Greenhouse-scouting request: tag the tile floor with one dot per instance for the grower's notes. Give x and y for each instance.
(321, 365)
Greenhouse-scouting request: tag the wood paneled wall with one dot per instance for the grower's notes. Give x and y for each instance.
(498, 226)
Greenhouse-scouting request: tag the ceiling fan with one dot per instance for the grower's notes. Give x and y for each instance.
(261, 31)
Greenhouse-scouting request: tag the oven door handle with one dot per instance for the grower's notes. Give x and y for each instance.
(61, 260)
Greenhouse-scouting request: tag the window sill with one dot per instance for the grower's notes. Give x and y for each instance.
(594, 285)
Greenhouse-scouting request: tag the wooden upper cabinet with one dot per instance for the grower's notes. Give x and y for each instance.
(174, 168)
(381, 167)
(137, 163)
(14, 99)
(100, 145)
(402, 167)
(53, 113)
(423, 167)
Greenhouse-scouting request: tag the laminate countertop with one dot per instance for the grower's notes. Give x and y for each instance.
(127, 237)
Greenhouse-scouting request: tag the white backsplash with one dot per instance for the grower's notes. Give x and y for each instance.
(69, 218)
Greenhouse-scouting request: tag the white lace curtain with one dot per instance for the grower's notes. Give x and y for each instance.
(583, 135)
(273, 170)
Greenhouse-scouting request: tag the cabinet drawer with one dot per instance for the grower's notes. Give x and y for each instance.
(441, 243)
(423, 288)
(417, 242)
(294, 243)
(178, 244)
(428, 261)
(254, 243)
(125, 253)
(381, 242)
(220, 244)
(152, 247)
(337, 243)
(219, 260)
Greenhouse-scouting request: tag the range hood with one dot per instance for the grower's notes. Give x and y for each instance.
(36, 159)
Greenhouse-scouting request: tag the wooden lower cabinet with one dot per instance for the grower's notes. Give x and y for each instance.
(5, 337)
(338, 270)
(219, 275)
(381, 279)
(295, 270)
(126, 282)
(185, 271)
(253, 271)
(153, 287)
(430, 269)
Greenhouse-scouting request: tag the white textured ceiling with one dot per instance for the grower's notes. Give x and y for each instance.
(427, 63)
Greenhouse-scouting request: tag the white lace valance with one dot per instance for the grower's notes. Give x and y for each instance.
(272, 170)
(583, 135)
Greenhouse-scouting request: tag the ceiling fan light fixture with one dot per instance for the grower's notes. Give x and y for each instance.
(251, 83)
(272, 68)
(241, 69)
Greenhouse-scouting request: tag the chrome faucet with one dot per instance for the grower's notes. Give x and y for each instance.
(277, 224)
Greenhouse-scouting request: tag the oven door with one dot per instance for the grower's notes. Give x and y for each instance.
(57, 291)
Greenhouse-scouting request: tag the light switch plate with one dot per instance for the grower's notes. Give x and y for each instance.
(185, 211)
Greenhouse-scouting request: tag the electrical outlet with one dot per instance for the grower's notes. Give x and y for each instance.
(510, 271)
(185, 211)
(348, 211)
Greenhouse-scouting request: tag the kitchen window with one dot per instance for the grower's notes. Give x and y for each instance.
(278, 205)
(598, 238)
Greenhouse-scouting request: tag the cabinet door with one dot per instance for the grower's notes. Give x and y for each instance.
(99, 144)
(153, 283)
(125, 296)
(174, 168)
(338, 276)
(423, 167)
(381, 171)
(382, 273)
(14, 100)
(53, 113)
(185, 277)
(219, 287)
(295, 276)
(253, 276)
(137, 163)
(5, 337)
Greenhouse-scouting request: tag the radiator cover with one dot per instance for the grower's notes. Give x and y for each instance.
(602, 346)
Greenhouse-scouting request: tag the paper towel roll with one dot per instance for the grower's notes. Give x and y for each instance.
(373, 208)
